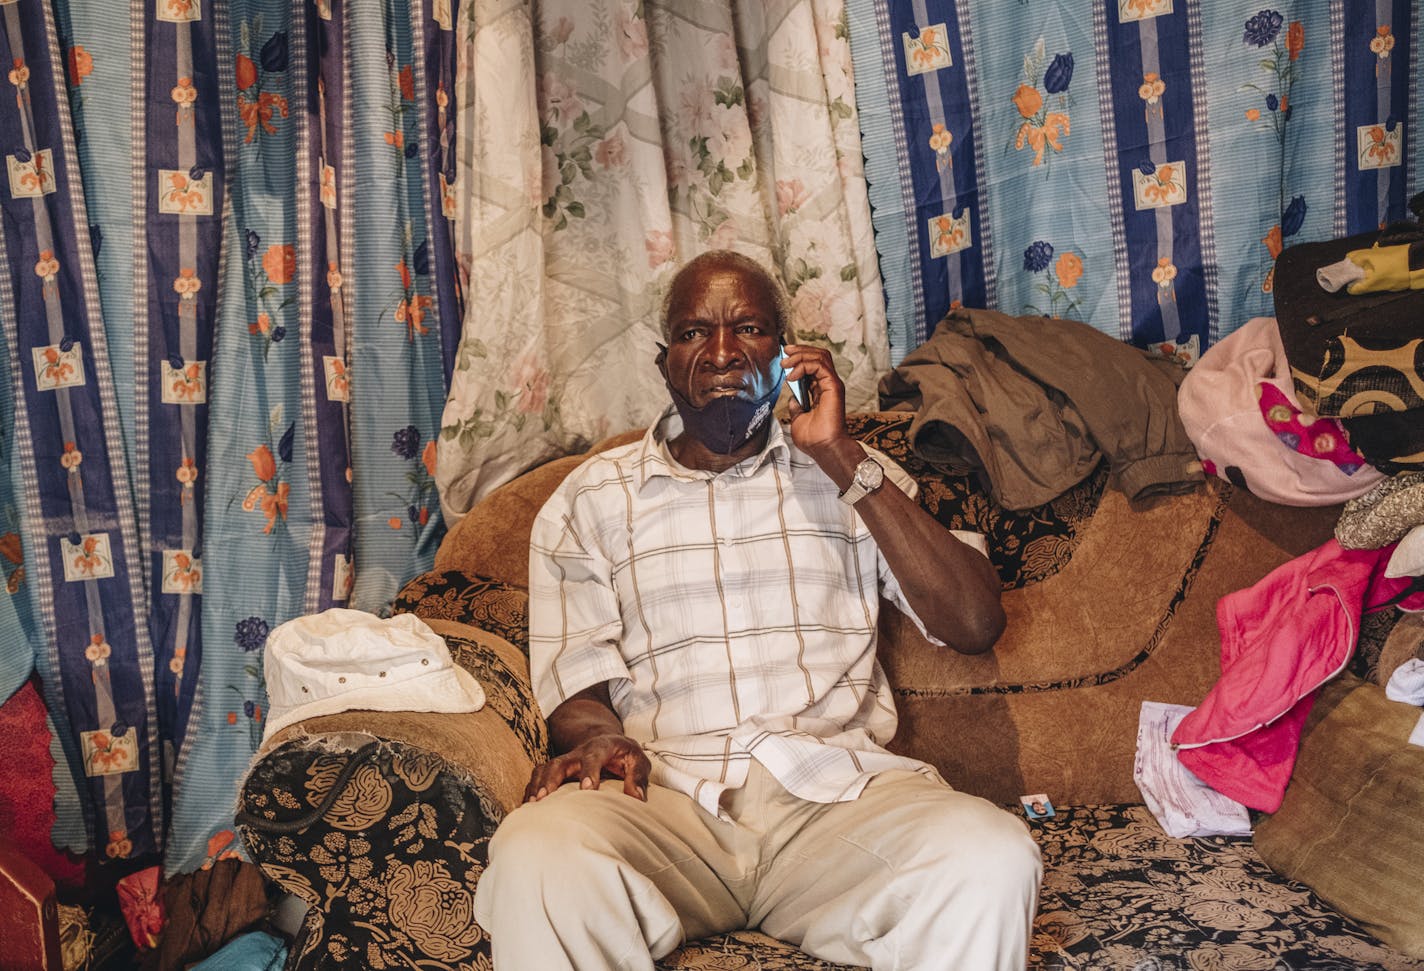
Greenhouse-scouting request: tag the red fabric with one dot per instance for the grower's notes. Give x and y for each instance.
(142, 906)
(27, 787)
(1280, 640)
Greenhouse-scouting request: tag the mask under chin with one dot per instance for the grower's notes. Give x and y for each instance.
(725, 423)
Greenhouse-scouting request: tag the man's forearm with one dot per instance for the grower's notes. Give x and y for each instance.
(951, 586)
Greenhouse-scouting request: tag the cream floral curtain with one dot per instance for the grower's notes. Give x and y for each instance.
(601, 144)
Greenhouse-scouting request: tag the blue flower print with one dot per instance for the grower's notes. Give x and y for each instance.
(1059, 74)
(1272, 102)
(406, 442)
(251, 633)
(1038, 256)
(1294, 216)
(1263, 28)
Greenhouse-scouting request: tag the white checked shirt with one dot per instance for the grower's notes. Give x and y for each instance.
(733, 614)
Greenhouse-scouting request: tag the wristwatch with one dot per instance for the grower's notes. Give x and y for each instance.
(869, 476)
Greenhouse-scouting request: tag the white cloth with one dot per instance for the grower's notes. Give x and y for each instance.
(734, 615)
(341, 659)
(1406, 684)
(1336, 276)
(911, 876)
(1407, 560)
(1183, 804)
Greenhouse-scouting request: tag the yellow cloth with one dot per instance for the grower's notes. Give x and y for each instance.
(1386, 268)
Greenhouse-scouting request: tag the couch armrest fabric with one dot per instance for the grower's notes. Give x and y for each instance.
(380, 820)
(1351, 826)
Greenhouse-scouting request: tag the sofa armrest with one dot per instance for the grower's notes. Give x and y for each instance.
(380, 820)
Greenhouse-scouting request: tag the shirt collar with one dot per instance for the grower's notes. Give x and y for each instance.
(655, 459)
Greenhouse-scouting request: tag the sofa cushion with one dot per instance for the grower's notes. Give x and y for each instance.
(1352, 822)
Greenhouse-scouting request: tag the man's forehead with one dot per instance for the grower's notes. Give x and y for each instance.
(739, 281)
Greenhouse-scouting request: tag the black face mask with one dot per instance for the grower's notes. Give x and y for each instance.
(725, 423)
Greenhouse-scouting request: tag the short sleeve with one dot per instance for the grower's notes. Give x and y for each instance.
(574, 622)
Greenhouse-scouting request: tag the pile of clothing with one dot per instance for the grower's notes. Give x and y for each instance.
(1320, 405)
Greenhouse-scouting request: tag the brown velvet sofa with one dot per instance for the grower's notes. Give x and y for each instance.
(380, 820)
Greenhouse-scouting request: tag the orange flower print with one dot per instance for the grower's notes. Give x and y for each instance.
(189, 383)
(258, 113)
(81, 65)
(928, 50)
(120, 846)
(1273, 241)
(19, 74)
(263, 324)
(187, 284)
(275, 504)
(56, 368)
(263, 465)
(1253, 114)
(1028, 100)
(428, 456)
(407, 83)
(71, 458)
(1380, 148)
(411, 312)
(280, 262)
(404, 274)
(47, 266)
(1042, 137)
(1068, 269)
(246, 72)
(1295, 39)
(183, 92)
(394, 522)
(1383, 41)
(395, 138)
(98, 653)
(89, 558)
(232, 718)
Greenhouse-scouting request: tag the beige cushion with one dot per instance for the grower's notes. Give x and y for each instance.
(1352, 823)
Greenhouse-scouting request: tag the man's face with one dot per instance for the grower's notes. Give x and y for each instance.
(722, 336)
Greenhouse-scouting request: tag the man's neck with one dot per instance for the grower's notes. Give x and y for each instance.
(690, 453)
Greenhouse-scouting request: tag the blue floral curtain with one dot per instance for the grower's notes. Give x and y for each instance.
(226, 268)
(1136, 164)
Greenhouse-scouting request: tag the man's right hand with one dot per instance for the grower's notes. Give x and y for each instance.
(609, 754)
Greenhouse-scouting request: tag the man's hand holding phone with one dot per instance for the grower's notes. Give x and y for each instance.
(800, 387)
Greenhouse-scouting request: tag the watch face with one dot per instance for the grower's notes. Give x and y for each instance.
(869, 475)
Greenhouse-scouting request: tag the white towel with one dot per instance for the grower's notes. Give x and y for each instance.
(1183, 804)
(1406, 684)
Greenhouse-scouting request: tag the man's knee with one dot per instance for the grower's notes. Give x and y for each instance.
(977, 842)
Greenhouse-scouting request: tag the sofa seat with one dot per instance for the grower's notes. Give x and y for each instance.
(380, 820)
(391, 863)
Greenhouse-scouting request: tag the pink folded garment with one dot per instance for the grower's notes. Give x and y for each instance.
(1280, 640)
(1238, 406)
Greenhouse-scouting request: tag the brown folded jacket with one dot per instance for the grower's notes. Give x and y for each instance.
(1034, 404)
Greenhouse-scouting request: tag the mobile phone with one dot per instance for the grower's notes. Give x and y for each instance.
(800, 388)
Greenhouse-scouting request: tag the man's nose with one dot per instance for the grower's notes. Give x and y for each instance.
(723, 347)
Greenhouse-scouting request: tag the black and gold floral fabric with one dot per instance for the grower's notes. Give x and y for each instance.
(385, 843)
(390, 866)
(492, 605)
(1027, 545)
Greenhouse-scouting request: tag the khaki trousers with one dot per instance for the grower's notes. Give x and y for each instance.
(912, 875)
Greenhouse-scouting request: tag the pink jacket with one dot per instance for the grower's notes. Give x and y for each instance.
(1280, 640)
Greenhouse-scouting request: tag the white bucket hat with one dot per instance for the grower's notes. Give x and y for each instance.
(342, 659)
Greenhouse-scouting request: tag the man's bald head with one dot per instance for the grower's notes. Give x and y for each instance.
(755, 276)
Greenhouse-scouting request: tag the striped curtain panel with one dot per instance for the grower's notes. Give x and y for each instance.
(226, 263)
(1135, 164)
